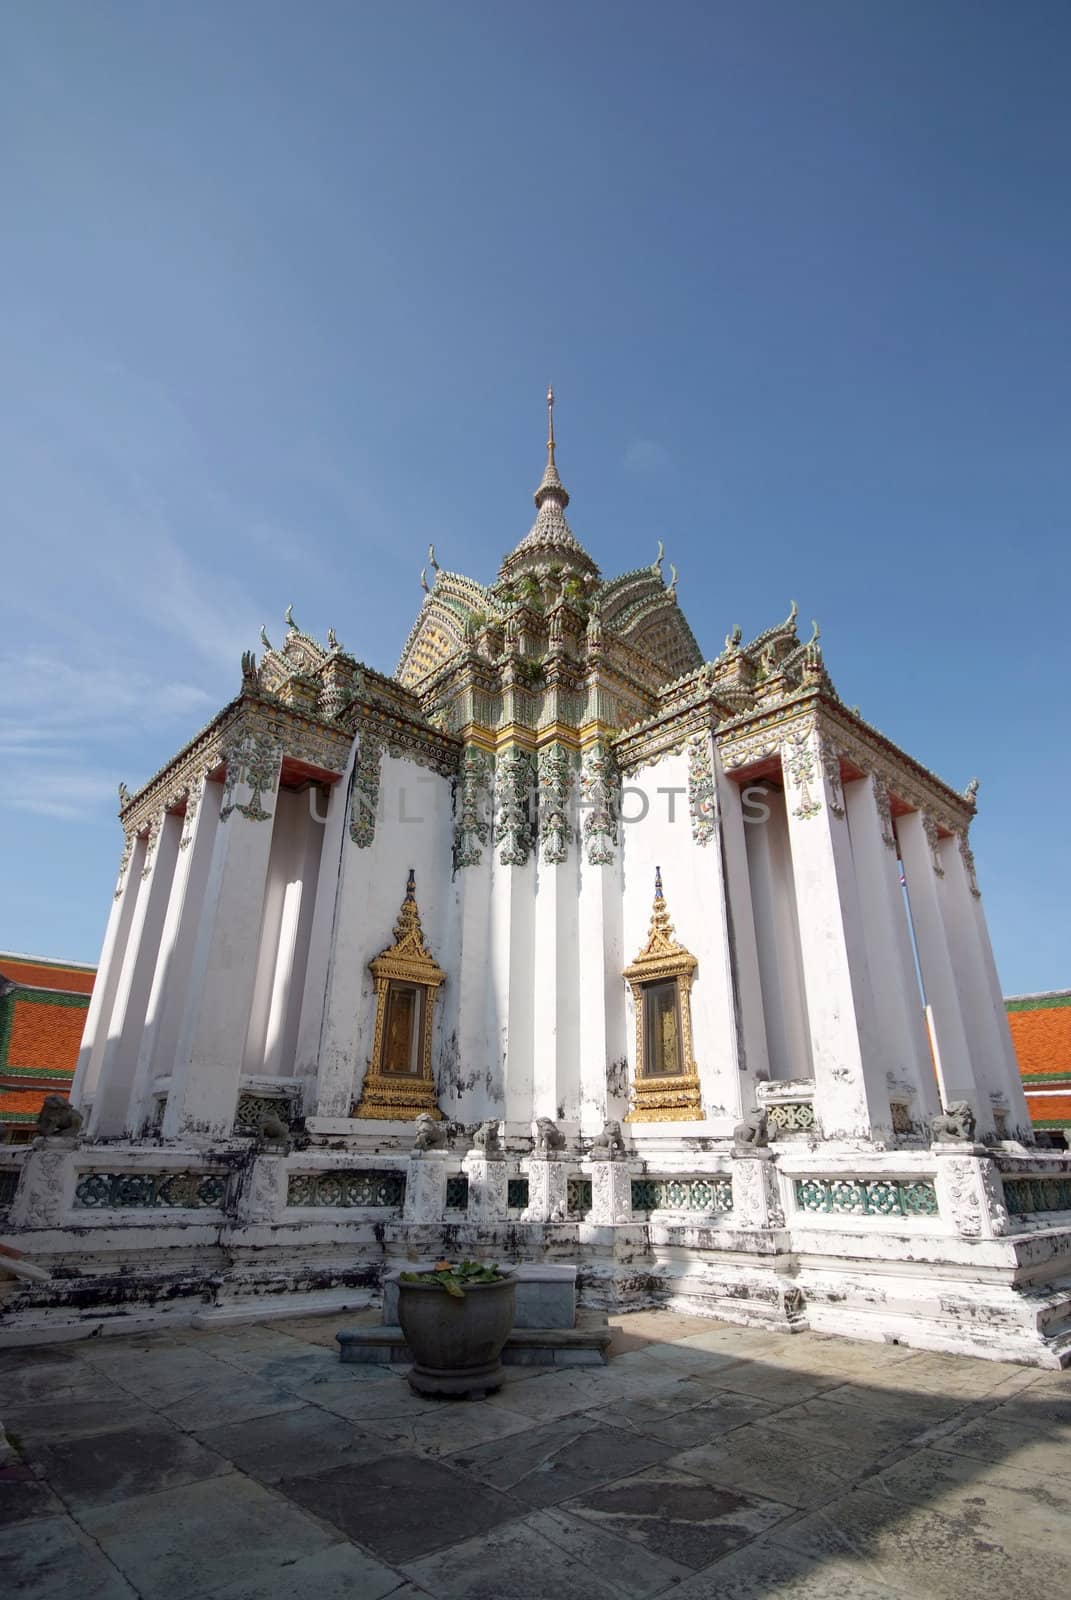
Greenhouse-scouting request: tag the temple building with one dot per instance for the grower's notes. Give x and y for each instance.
(558, 868)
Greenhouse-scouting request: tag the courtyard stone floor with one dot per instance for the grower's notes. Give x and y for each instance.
(703, 1461)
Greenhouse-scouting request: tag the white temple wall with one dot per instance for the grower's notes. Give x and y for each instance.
(294, 941)
(99, 1010)
(1010, 1080)
(773, 900)
(414, 829)
(657, 832)
(111, 1100)
(163, 1014)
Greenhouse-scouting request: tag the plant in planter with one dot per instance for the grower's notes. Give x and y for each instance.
(456, 1319)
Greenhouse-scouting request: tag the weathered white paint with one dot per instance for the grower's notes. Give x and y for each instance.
(109, 967)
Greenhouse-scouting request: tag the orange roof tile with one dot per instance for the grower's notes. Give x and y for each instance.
(1049, 1108)
(1042, 1039)
(44, 1035)
(22, 1101)
(47, 975)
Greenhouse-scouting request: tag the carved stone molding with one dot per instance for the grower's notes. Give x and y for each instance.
(600, 793)
(555, 796)
(253, 761)
(702, 790)
(364, 795)
(800, 764)
(472, 827)
(514, 784)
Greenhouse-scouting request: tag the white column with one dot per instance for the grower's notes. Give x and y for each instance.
(557, 1049)
(512, 978)
(480, 1062)
(851, 1095)
(715, 1025)
(334, 859)
(901, 1029)
(921, 873)
(112, 1100)
(736, 822)
(208, 1065)
(1010, 1082)
(116, 935)
(996, 1070)
(340, 1064)
(163, 1014)
(778, 943)
(601, 1041)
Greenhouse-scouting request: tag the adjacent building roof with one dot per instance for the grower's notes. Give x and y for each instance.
(43, 1007)
(1041, 1033)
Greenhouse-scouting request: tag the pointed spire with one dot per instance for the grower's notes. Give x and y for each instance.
(550, 484)
(550, 539)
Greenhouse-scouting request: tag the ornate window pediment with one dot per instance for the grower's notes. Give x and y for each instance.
(666, 1083)
(399, 1084)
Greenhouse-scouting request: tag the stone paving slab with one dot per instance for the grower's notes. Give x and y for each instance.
(202, 1537)
(706, 1460)
(402, 1507)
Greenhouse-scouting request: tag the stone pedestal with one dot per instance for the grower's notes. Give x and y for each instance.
(611, 1191)
(969, 1191)
(756, 1192)
(262, 1193)
(546, 1190)
(46, 1188)
(487, 1189)
(425, 1186)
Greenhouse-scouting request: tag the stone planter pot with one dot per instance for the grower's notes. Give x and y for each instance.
(456, 1344)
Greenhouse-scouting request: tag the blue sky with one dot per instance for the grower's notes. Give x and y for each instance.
(283, 287)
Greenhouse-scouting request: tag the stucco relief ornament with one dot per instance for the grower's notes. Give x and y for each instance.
(194, 796)
(472, 829)
(831, 768)
(702, 793)
(364, 795)
(124, 861)
(253, 760)
(798, 761)
(156, 823)
(963, 1197)
(933, 839)
(600, 795)
(967, 855)
(555, 790)
(881, 801)
(513, 789)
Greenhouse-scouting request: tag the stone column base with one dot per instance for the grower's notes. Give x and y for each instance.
(969, 1191)
(425, 1186)
(487, 1189)
(611, 1191)
(547, 1200)
(756, 1192)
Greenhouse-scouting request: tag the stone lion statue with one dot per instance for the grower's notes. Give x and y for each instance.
(487, 1142)
(272, 1129)
(546, 1137)
(430, 1135)
(58, 1118)
(751, 1133)
(955, 1125)
(608, 1145)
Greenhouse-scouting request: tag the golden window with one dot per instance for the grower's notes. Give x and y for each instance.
(399, 1083)
(666, 1082)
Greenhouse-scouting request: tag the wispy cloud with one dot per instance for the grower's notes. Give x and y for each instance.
(646, 455)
